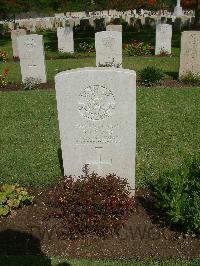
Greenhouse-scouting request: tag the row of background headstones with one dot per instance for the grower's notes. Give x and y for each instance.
(98, 23)
(105, 13)
(108, 46)
(66, 41)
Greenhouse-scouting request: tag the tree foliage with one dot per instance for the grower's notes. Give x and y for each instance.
(10, 7)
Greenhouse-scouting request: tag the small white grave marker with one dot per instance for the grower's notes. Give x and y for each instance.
(32, 58)
(65, 39)
(14, 35)
(163, 38)
(112, 27)
(108, 46)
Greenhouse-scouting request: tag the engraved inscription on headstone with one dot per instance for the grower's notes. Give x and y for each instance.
(108, 42)
(97, 121)
(100, 161)
(97, 134)
(30, 45)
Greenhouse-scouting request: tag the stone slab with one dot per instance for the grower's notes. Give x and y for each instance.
(190, 53)
(65, 40)
(32, 57)
(114, 28)
(14, 35)
(163, 38)
(108, 46)
(97, 121)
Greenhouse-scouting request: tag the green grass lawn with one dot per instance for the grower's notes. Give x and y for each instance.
(167, 132)
(44, 261)
(169, 65)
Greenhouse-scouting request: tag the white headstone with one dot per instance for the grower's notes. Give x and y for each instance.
(32, 58)
(59, 15)
(112, 12)
(49, 23)
(114, 28)
(11, 25)
(91, 21)
(107, 19)
(108, 46)
(178, 11)
(14, 35)
(65, 40)
(190, 53)
(97, 121)
(163, 38)
(77, 22)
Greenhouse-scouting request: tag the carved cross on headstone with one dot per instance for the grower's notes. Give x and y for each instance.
(100, 162)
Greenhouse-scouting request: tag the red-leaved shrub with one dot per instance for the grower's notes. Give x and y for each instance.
(93, 205)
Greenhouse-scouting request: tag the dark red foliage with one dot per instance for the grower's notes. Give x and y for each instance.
(15, 58)
(151, 2)
(93, 205)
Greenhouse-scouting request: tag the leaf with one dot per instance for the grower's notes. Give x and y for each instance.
(4, 210)
(3, 197)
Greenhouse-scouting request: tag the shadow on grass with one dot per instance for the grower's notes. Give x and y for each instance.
(173, 75)
(59, 153)
(148, 36)
(51, 41)
(22, 249)
(4, 39)
(176, 39)
(143, 36)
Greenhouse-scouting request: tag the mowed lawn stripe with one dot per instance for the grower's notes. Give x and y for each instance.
(167, 133)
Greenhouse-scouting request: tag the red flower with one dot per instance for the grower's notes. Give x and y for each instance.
(5, 72)
(151, 2)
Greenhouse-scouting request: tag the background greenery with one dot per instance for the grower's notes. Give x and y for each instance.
(12, 7)
(38, 261)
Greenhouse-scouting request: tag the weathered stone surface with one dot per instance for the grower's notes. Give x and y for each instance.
(14, 35)
(97, 121)
(114, 28)
(108, 48)
(190, 53)
(65, 39)
(32, 58)
(163, 38)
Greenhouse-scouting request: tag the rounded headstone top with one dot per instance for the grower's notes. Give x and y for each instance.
(95, 69)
